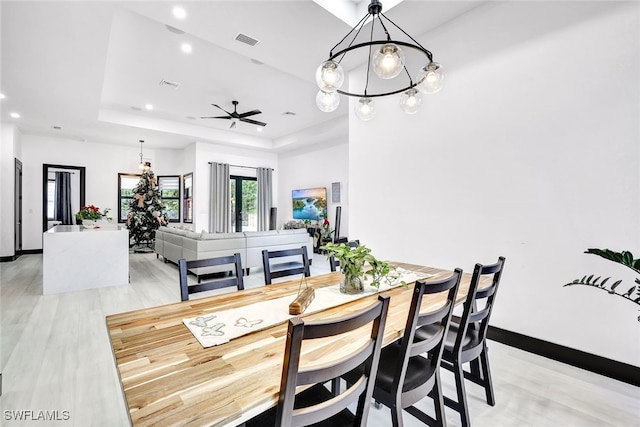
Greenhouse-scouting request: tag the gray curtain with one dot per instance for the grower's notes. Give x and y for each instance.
(62, 206)
(264, 197)
(220, 202)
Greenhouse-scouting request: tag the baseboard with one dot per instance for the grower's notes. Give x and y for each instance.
(600, 365)
(14, 257)
(31, 252)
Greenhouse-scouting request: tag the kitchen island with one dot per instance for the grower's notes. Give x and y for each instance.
(76, 258)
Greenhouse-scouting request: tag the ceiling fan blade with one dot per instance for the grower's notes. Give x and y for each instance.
(250, 113)
(217, 117)
(217, 106)
(255, 122)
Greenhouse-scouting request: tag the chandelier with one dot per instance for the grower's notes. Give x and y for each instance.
(387, 59)
(145, 166)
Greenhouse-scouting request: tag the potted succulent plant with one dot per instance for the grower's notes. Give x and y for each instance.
(356, 263)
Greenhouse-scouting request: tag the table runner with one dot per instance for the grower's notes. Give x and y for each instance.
(220, 327)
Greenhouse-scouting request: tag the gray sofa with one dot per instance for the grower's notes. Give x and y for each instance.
(172, 244)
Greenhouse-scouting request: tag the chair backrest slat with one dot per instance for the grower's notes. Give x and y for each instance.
(234, 262)
(270, 273)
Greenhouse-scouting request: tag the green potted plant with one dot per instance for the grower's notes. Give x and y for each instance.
(356, 263)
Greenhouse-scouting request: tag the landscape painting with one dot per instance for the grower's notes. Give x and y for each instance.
(310, 203)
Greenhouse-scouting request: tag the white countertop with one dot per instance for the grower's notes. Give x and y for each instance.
(79, 228)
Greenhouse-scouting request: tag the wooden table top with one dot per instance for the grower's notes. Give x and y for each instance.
(168, 378)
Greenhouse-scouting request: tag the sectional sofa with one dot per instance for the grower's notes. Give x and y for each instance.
(172, 244)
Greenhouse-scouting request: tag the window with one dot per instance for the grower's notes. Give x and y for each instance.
(187, 198)
(244, 203)
(126, 183)
(170, 194)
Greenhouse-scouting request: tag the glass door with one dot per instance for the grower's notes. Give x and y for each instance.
(244, 202)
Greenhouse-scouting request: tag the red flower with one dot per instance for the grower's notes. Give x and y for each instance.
(326, 222)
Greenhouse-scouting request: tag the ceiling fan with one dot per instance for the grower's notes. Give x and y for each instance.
(235, 117)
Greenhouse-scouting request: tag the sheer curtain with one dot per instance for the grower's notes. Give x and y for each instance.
(62, 206)
(219, 202)
(264, 197)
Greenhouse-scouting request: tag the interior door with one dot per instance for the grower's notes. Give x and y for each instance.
(18, 207)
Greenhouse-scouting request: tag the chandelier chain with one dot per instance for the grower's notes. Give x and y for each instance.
(429, 54)
(359, 26)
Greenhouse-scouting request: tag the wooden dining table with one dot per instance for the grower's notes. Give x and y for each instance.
(169, 379)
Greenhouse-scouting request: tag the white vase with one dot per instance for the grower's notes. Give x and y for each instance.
(88, 223)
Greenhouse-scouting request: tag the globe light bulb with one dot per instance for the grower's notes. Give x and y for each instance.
(327, 101)
(329, 76)
(410, 101)
(430, 78)
(388, 61)
(365, 109)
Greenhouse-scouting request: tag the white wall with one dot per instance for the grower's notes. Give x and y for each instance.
(103, 162)
(9, 151)
(311, 169)
(532, 151)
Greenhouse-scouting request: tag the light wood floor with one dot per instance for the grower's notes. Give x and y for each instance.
(55, 355)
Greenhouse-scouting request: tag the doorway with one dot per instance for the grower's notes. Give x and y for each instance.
(244, 202)
(49, 197)
(17, 205)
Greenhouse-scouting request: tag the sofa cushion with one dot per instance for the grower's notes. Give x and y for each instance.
(216, 236)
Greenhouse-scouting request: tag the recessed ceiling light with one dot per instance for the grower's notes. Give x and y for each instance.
(259, 129)
(15, 115)
(148, 106)
(179, 12)
(288, 113)
(2, 96)
(186, 48)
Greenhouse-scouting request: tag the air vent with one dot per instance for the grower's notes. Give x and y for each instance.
(174, 30)
(246, 39)
(169, 83)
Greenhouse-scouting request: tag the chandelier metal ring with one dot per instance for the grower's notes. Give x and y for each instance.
(412, 84)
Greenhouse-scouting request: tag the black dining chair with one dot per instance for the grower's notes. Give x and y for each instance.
(466, 341)
(409, 368)
(290, 267)
(234, 262)
(317, 405)
(333, 262)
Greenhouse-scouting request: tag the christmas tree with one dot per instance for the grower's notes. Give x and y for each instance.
(145, 211)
